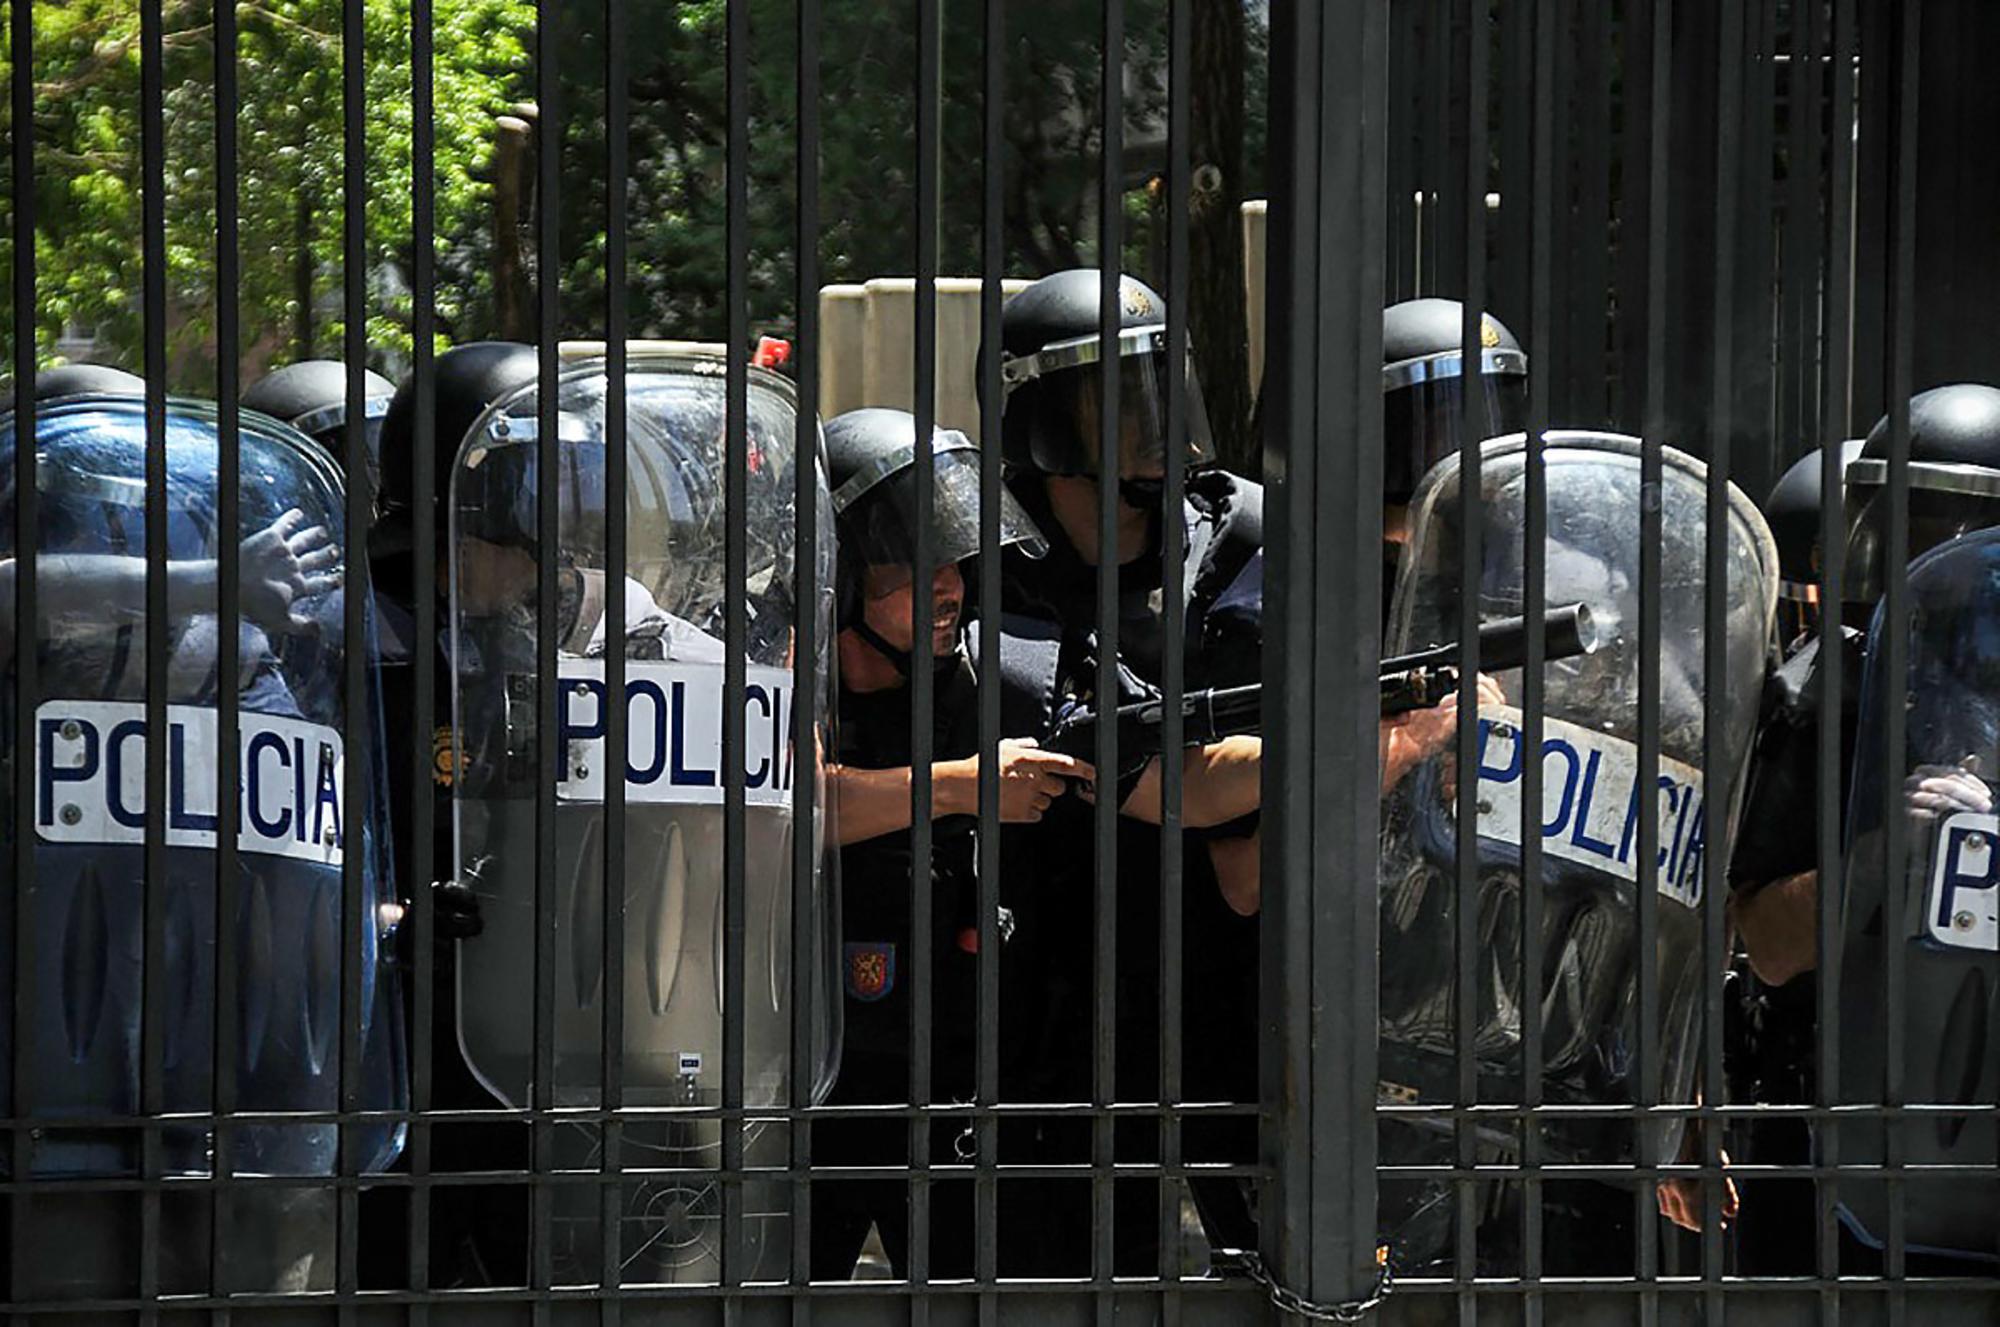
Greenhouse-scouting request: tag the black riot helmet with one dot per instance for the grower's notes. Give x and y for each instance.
(1954, 482)
(1793, 513)
(86, 380)
(871, 470)
(311, 396)
(1052, 378)
(467, 379)
(1423, 387)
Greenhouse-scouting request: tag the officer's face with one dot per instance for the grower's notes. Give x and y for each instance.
(493, 577)
(890, 605)
(1074, 498)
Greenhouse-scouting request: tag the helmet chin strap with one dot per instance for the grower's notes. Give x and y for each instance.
(898, 659)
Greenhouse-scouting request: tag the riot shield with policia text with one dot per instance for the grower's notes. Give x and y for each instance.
(1587, 996)
(1942, 918)
(88, 901)
(676, 599)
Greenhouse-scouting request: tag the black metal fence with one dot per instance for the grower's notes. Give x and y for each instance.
(1702, 220)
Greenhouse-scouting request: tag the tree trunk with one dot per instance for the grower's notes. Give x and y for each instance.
(512, 161)
(1217, 325)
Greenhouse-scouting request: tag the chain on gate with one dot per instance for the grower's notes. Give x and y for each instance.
(1287, 1300)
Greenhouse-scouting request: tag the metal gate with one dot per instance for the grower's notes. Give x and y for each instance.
(1704, 223)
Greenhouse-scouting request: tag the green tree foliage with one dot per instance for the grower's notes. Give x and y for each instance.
(88, 169)
(89, 240)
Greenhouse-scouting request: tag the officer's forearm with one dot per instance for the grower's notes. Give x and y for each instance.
(1220, 782)
(868, 803)
(99, 583)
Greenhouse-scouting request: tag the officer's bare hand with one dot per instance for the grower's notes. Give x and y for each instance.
(282, 564)
(1680, 1200)
(1939, 790)
(1031, 778)
(1404, 740)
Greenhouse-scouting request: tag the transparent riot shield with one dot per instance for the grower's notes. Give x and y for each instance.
(1945, 926)
(670, 889)
(1587, 996)
(294, 833)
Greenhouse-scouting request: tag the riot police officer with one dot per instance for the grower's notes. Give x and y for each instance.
(1944, 869)
(1769, 1028)
(311, 396)
(293, 837)
(1052, 375)
(1793, 513)
(1589, 875)
(514, 808)
(871, 454)
(478, 1236)
(1954, 459)
(1954, 466)
(1423, 402)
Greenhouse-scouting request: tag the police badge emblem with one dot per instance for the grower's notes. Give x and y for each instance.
(871, 970)
(444, 763)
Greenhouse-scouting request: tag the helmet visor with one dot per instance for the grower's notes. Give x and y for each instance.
(1423, 422)
(1936, 514)
(495, 494)
(878, 526)
(1062, 391)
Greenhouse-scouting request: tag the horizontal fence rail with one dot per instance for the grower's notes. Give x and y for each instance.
(638, 682)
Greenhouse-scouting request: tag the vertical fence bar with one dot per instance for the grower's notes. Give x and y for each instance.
(1513, 294)
(992, 267)
(1895, 616)
(1448, 153)
(228, 609)
(153, 295)
(736, 576)
(923, 677)
(617, 714)
(355, 912)
(1719, 773)
(548, 751)
(1835, 425)
(1754, 293)
(423, 636)
(1587, 363)
(806, 847)
(1173, 660)
(1405, 155)
(1104, 1085)
(1634, 208)
(1799, 343)
(25, 626)
(1541, 329)
(1320, 915)
(1434, 183)
(1470, 160)
(1659, 209)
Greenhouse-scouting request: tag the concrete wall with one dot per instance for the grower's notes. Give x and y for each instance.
(867, 349)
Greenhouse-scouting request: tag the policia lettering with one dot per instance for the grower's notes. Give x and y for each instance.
(674, 717)
(90, 779)
(1590, 801)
